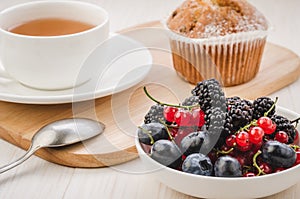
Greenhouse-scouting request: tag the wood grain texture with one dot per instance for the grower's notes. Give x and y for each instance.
(122, 112)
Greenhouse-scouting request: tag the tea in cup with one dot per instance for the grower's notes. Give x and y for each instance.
(44, 44)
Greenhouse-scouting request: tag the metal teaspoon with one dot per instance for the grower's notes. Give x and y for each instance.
(59, 133)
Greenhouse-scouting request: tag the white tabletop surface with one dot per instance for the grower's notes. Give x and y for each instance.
(38, 178)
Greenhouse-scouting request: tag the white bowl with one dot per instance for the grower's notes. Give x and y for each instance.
(223, 187)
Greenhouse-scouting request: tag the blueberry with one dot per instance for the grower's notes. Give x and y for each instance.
(198, 164)
(278, 154)
(227, 166)
(166, 153)
(155, 131)
(192, 143)
(196, 142)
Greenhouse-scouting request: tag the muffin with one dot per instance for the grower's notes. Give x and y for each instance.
(222, 39)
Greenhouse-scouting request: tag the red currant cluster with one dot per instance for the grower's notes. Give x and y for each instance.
(255, 133)
(184, 117)
(245, 146)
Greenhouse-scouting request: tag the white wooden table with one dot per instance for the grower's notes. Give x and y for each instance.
(38, 178)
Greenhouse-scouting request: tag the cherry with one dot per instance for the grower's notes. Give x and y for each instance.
(282, 137)
(169, 113)
(249, 174)
(265, 168)
(183, 117)
(266, 124)
(197, 118)
(256, 135)
(231, 141)
(242, 138)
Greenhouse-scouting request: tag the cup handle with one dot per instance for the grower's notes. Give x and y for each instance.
(3, 73)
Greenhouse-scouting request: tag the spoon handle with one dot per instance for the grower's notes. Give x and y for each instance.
(11, 165)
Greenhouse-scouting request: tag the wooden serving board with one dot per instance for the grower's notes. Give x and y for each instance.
(122, 112)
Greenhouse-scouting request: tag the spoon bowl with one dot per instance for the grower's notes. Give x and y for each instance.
(66, 132)
(60, 133)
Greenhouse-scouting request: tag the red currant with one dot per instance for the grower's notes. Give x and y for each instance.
(242, 138)
(266, 124)
(265, 168)
(279, 169)
(169, 113)
(256, 147)
(231, 141)
(282, 137)
(242, 160)
(249, 174)
(181, 133)
(244, 148)
(197, 118)
(225, 148)
(298, 158)
(183, 117)
(173, 131)
(212, 156)
(256, 135)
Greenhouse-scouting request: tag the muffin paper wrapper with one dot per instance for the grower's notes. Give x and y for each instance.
(232, 59)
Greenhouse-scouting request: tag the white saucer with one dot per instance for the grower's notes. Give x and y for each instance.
(128, 60)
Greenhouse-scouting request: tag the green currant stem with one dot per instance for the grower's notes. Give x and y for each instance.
(246, 127)
(166, 126)
(272, 107)
(225, 152)
(247, 168)
(165, 104)
(296, 121)
(295, 147)
(260, 171)
(148, 133)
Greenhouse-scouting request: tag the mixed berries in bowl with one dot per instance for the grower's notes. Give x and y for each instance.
(221, 147)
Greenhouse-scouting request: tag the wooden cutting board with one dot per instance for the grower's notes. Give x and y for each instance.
(122, 112)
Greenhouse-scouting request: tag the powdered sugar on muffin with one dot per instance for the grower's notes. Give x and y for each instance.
(212, 18)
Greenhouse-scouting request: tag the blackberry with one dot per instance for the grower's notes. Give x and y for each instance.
(284, 124)
(215, 123)
(240, 113)
(226, 131)
(228, 126)
(215, 119)
(261, 106)
(191, 101)
(232, 100)
(155, 114)
(210, 94)
(212, 101)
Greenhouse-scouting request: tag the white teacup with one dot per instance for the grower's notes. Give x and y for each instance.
(50, 62)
